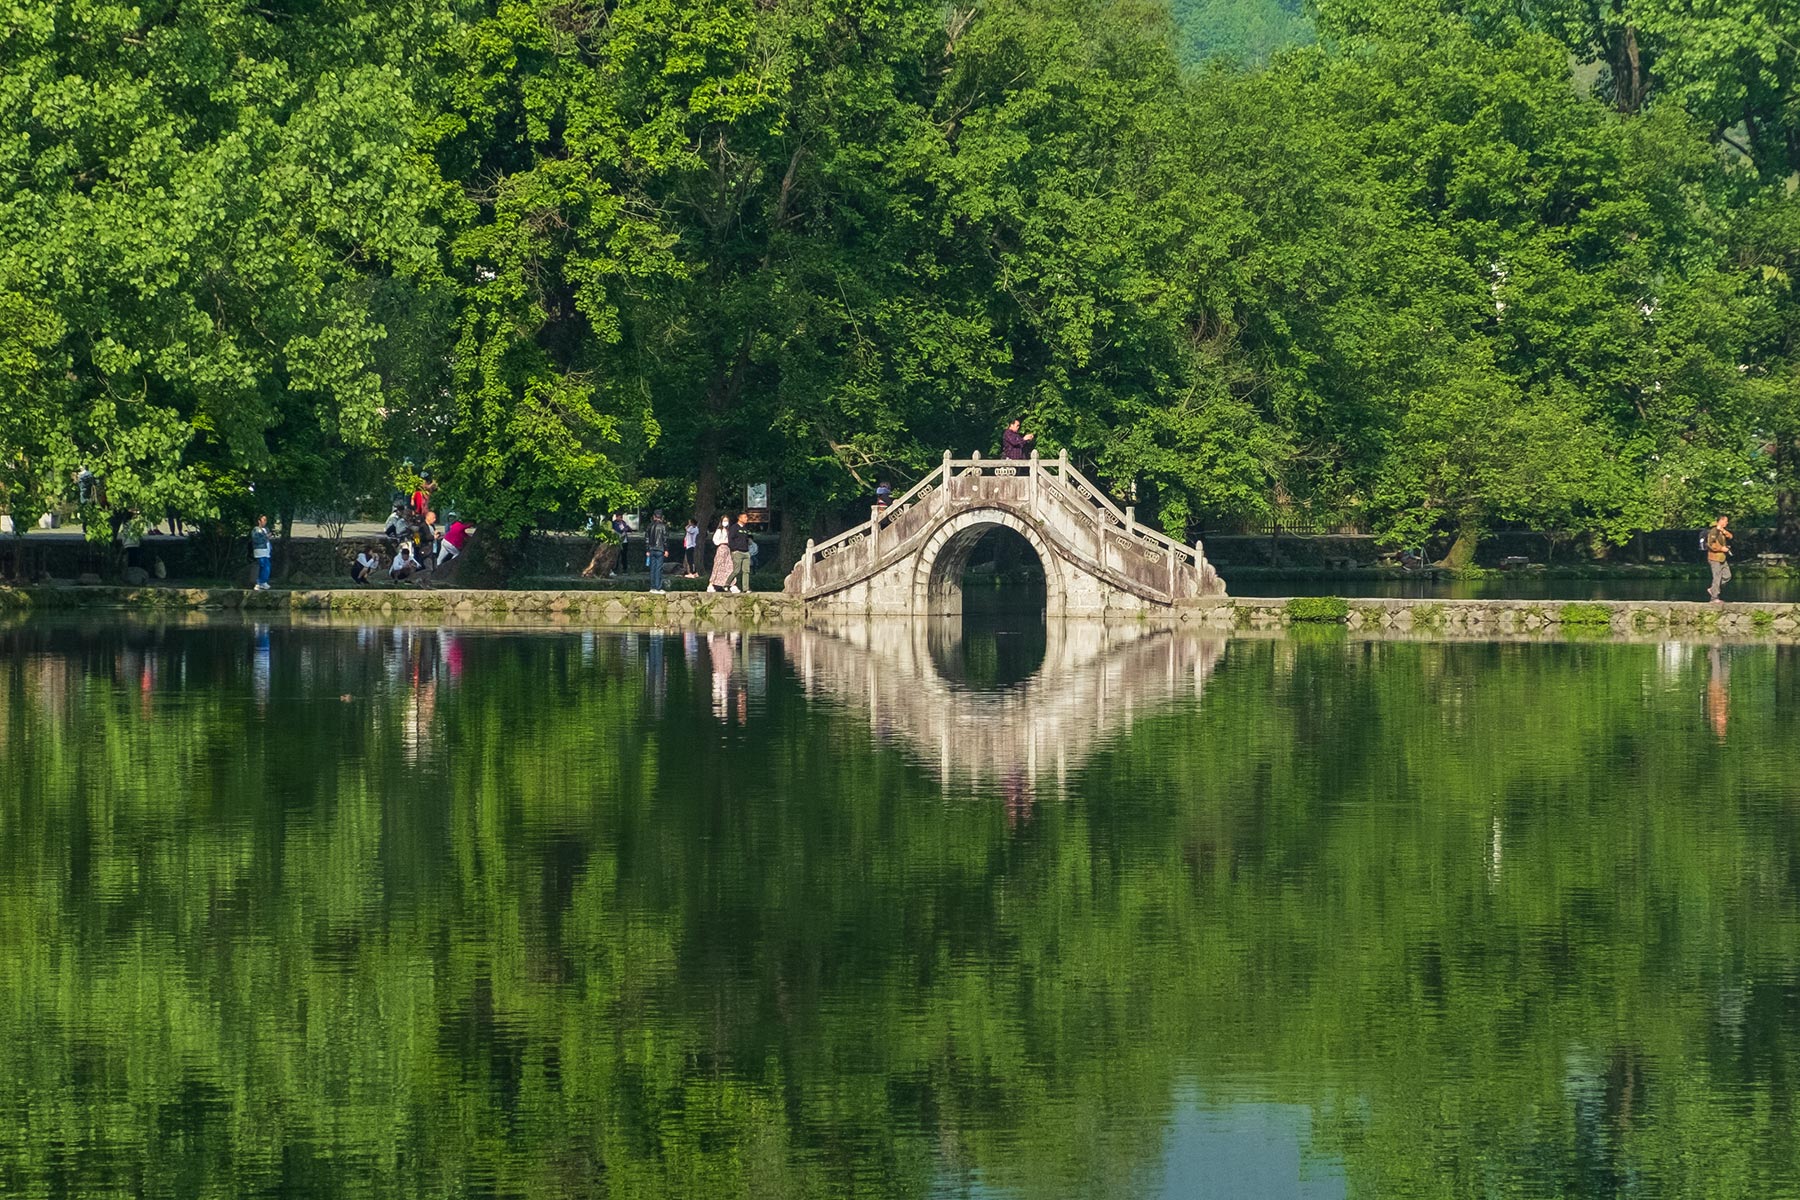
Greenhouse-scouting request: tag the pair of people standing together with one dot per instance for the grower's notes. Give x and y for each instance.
(732, 551)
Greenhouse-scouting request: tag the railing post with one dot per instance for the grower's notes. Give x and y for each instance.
(874, 532)
(806, 569)
(1130, 518)
(1174, 554)
(1034, 481)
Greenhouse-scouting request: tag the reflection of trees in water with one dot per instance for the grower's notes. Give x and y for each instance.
(597, 953)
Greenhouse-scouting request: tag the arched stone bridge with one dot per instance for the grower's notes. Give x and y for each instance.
(909, 558)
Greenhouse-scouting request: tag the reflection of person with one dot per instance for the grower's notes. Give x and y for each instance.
(1718, 693)
(721, 568)
(1014, 444)
(261, 550)
(1718, 548)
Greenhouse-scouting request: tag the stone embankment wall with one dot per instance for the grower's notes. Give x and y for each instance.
(585, 607)
(1448, 618)
(1477, 618)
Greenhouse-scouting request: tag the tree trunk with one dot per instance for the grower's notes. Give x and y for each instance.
(1628, 72)
(706, 484)
(1462, 551)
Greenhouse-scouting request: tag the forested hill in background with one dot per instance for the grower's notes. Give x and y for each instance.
(1242, 31)
(578, 255)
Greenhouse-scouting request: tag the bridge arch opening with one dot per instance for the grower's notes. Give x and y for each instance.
(991, 570)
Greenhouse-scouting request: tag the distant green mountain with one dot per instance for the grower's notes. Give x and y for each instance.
(1247, 31)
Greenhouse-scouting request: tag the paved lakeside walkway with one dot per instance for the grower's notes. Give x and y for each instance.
(1467, 618)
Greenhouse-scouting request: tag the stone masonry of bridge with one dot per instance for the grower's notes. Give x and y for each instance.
(908, 559)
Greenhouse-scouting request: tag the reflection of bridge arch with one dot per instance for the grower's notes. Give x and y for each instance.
(1096, 679)
(1096, 557)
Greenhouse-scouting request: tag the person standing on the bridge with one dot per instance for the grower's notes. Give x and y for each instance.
(1718, 548)
(1014, 444)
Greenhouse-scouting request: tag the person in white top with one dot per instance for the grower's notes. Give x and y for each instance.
(366, 562)
(404, 564)
(721, 568)
(690, 549)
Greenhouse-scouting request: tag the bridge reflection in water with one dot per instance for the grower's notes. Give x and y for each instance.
(1095, 680)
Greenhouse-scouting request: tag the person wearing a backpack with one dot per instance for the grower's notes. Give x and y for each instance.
(260, 550)
(1718, 548)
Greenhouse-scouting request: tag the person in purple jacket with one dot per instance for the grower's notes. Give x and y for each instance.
(1014, 444)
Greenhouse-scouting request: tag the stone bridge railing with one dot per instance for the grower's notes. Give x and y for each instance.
(1048, 498)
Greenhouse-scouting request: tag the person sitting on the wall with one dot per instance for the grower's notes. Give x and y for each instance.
(398, 522)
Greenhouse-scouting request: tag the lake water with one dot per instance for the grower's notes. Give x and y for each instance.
(337, 911)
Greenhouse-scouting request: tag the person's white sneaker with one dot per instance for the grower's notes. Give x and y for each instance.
(734, 589)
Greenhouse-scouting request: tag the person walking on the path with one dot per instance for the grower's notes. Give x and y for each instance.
(656, 544)
(1014, 444)
(740, 553)
(690, 549)
(1718, 549)
(261, 551)
(721, 568)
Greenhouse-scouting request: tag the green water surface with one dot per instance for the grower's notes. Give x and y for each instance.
(338, 911)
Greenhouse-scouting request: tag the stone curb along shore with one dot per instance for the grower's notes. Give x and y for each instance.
(586, 607)
(1650, 618)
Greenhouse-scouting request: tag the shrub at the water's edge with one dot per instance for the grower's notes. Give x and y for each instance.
(1590, 615)
(1317, 608)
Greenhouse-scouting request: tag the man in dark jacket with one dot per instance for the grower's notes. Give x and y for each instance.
(656, 544)
(740, 553)
(1014, 444)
